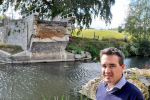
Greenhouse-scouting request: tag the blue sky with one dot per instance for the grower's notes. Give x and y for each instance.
(119, 12)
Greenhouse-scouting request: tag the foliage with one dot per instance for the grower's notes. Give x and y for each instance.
(94, 46)
(139, 48)
(134, 77)
(1, 17)
(138, 26)
(83, 9)
(12, 49)
(120, 29)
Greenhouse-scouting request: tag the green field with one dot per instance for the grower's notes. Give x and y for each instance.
(89, 33)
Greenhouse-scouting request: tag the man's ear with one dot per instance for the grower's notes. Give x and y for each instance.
(123, 65)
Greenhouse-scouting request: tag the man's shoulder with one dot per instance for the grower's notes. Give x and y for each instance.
(132, 89)
(101, 84)
(129, 92)
(100, 87)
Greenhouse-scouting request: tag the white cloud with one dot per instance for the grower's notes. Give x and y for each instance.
(119, 11)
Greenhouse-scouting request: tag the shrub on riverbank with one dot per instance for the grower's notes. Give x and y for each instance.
(94, 46)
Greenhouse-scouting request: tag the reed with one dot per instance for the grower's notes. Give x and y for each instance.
(65, 98)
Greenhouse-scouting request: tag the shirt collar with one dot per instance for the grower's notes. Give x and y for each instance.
(119, 85)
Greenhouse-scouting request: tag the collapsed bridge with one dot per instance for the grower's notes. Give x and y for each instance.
(42, 41)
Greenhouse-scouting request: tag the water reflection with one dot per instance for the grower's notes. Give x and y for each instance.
(31, 81)
(139, 62)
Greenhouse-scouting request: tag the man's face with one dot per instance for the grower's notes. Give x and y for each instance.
(111, 70)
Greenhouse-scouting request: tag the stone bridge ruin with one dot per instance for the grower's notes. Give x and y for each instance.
(42, 41)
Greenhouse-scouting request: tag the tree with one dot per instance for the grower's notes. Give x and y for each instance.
(120, 29)
(83, 9)
(138, 26)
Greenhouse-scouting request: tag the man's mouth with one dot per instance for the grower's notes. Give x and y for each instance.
(107, 76)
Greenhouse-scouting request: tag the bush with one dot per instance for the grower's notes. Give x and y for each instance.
(94, 46)
(140, 47)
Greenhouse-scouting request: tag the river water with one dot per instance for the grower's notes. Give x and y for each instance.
(39, 81)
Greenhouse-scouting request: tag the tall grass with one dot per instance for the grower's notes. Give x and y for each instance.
(65, 98)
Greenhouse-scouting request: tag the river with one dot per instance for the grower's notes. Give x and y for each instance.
(39, 81)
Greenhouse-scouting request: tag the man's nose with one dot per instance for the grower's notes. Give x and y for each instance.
(107, 70)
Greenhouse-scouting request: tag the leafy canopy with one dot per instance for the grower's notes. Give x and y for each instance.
(83, 9)
(138, 26)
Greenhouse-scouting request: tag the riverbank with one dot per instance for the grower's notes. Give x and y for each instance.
(93, 46)
(78, 44)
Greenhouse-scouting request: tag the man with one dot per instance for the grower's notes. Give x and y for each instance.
(115, 86)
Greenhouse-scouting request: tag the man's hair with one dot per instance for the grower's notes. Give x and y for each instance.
(113, 51)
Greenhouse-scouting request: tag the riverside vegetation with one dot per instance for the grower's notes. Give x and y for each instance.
(94, 46)
(12, 49)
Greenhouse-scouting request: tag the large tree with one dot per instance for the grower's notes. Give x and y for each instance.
(138, 26)
(83, 9)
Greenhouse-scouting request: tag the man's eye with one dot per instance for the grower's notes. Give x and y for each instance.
(112, 66)
(104, 66)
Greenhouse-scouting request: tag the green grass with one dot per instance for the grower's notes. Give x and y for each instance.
(12, 49)
(134, 77)
(101, 33)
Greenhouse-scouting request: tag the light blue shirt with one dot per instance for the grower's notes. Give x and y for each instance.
(118, 86)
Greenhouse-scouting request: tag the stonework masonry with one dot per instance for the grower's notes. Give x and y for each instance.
(17, 33)
(42, 41)
(3, 34)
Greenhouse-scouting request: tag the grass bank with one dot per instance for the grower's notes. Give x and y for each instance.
(89, 33)
(94, 46)
(12, 49)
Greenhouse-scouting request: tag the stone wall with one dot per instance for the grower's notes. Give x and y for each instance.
(3, 34)
(52, 47)
(17, 33)
(41, 40)
(46, 31)
(32, 26)
(23, 32)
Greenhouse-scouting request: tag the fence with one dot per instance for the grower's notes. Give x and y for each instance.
(109, 39)
(94, 36)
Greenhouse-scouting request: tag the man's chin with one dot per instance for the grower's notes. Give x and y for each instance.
(107, 80)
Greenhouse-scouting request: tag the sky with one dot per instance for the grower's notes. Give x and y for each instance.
(119, 12)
